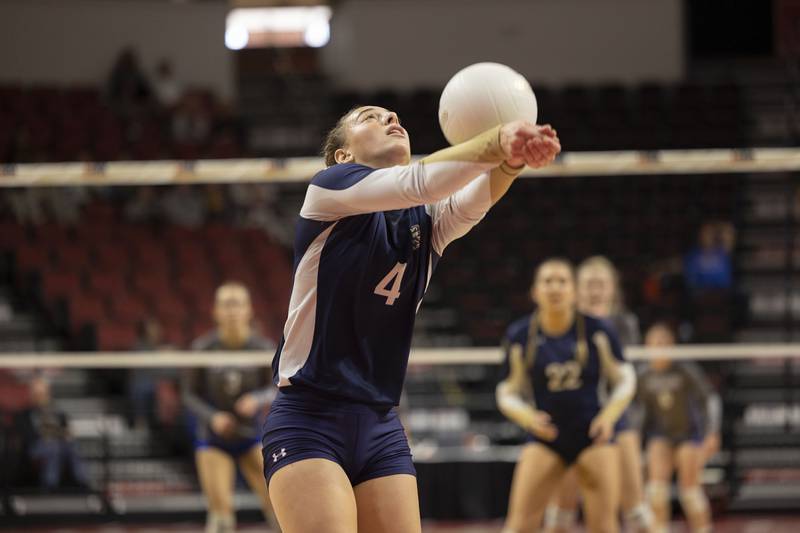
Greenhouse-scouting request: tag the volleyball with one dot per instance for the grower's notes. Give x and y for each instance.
(482, 96)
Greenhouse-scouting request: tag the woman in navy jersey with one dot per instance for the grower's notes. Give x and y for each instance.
(557, 361)
(600, 295)
(370, 232)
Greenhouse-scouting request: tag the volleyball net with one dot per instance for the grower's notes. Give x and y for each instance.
(95, 272)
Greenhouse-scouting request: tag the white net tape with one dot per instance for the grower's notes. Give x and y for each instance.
(423, 356)
(302, 168)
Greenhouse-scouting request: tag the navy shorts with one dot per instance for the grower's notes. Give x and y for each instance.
(569, 444)
(233, 447)
(624, 423)
(367, 442)
(694, 436)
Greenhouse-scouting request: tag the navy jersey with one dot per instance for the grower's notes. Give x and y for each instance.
(366, 244)
(565, 372)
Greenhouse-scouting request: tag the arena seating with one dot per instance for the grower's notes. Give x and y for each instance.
(70, 124)
(97, 285)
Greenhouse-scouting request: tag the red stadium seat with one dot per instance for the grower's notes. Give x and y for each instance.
(57, 284)
(107, 283)
(113, 257)
(190, 252)
(12, 235)
(128, 308)
(73, 256)
(86, 309)
(32, 257)
(113, 336)
(51, 234)
(152, 284)
(170, 308)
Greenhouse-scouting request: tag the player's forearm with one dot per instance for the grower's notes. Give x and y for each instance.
(501, 178)
(713, 413)
(622, 393)
(483, 148)
(513, 406)
(199, 408)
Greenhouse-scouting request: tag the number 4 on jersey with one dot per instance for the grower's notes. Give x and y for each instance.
(395, 278)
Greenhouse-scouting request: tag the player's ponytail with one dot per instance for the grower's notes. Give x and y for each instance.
(336, 138)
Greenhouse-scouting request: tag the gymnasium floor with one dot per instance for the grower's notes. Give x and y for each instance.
(732, 524)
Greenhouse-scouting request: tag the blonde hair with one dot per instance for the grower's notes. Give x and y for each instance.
(336, 138)
(602, 262)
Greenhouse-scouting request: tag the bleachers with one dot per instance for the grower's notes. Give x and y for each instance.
(97, 285)
(71, 124)
(66, 123)
(637, 221)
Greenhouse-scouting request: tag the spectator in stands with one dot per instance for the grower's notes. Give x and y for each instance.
(143, 382)
(143, 206)
(46, 437)
(184, 206)
(193, 119)
(167, 88)
(708, 265)
(228, 403)
(128, 87)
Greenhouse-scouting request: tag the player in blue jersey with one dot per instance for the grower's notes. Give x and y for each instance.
(372, 227)
(600, 295)
(557, 361)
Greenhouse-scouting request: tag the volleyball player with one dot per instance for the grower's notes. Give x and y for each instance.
(226, 402)
(681, 415)
(371, 230)
(600, 295)
(557, 359)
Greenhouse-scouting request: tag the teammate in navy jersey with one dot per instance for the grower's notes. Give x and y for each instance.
(370, 232)
(557, 361)
(600, 295)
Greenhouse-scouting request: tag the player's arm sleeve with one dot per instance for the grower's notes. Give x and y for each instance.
(703, 390)
(347, 190)
(454, 216)
(192, 400)
(619, 373)
(637, 413)
(512, 391)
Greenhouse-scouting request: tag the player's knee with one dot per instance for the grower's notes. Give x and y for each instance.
(558, 519)
(658, 493)
(640, 517)
(693, 500)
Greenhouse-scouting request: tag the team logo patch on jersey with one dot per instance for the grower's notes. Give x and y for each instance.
(416, 236)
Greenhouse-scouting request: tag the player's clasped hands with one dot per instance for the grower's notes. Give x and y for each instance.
(247, 406)
(223, 424)
(540, 425)
(526, 143)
